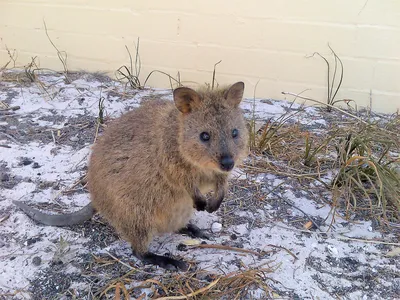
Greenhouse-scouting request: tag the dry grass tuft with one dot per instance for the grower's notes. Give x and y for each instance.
(131, 75)
(199, 284)
(332, 90)
(367, 178)
(235, 285)
(363, 156)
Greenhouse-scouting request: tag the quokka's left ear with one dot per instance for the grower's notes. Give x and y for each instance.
(234, 95)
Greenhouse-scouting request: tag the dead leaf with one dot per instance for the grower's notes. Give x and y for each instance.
(117, 292)
(4, 218)
(393, 252)
(191, 242)
(308, 225)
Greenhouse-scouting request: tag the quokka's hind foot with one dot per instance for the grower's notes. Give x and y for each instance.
(164, 262)
(195, 232)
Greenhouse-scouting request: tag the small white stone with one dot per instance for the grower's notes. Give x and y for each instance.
(74, 139)
(216, 227)
(333, 250)
(370, 228)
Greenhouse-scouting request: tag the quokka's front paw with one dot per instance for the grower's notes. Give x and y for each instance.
(211, 207)
(200, 206)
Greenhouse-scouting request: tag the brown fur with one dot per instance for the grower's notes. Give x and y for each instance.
(150, 165)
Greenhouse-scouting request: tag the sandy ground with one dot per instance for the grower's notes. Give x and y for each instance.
(44, 146)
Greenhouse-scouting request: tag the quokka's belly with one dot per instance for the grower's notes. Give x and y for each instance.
(176, 216)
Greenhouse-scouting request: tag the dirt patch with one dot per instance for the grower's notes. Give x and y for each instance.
(44, 150)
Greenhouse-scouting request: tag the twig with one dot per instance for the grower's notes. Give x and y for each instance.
(213, 78)
(222, 247)
(299, 209)
(14, 108)
(337, 58)
(121, 262)
(332, 106)
(365, 4)
(103, 290)
(4, 218)
(193, 294)
(161, 72)
(287, 250)
(62, 55)
(159, 284)
(304, 175)
(54, 138)
(329, 77)
(12, 58)
(10, 137)
(97, 132)
(137, 59)
(300, 230)
(342, 237)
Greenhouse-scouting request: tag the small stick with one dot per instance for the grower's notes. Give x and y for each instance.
(97, 132)
(10, 108)
(193, 294)
(283, 248)
(332, 106)
(213, 78)
(10, 137)
(222, 247)
(4, 218)
(117, 292)
(367, 241)
(159, 284)
(121, 262)
(54, 138)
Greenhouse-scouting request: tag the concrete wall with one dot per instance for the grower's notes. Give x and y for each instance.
(257, 40)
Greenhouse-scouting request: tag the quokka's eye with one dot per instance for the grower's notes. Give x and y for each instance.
(205, 136)
(235, 133)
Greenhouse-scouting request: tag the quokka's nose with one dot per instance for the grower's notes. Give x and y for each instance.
(226, 163)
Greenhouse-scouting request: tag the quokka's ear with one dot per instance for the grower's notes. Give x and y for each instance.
(234, 94)
(186, 99)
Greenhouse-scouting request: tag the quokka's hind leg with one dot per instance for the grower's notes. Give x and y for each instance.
(140, 250)
(164, 262)
(195, 232)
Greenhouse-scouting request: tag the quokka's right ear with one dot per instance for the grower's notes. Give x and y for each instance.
(186, 99)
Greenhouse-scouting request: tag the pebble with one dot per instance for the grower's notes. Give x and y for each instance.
(74, 139)
(4, 177)
(216, 227)
(36, 261)
(182, 247)
(35, 165)
(333, 250)
(26, 161)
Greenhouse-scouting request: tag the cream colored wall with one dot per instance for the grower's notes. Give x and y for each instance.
(257, 40)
